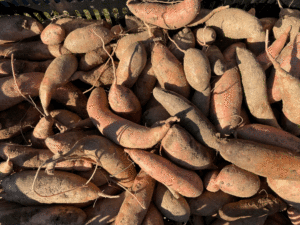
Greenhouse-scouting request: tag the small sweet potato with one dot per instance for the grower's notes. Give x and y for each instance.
(171, 207)
(259, 206)
(205, 36)
(216, 60)
(18, 28)
(42, 130)
(131, 210)
(18, 188)
(53, 34)
(182, 149)
(86, 39)
(185, 182)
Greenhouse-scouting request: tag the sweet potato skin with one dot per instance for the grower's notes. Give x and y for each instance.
(185, 182)
(53, 34)
(153, 216)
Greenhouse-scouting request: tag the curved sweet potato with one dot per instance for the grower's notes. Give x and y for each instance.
(167, 16)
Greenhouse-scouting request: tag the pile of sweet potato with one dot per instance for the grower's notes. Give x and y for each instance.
(183, 116)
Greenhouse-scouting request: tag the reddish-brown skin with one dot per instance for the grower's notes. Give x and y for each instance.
(153, 216)
(168, 16)
(210, 182)
(261, 205)
(121, 131)
(209, 203)
(124, 103)
(182, 149)
(56, 75)
(294, 215)
(86, 39)
(18, 188)
(145, 83)
(168, 70)
(131, 211)
(185, 182)
(72, 98)
(274, 50)
(53, 34)
(131, 64)
(27, 158)
(261, 159)
(21, 117)
(22, 66)
(28, 84)
(41, 131)
(238, 182)
(269, 135)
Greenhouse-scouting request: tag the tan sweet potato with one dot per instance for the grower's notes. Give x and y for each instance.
(18, 28)
(171, 207)
(185, 182)
(86, 39)
(205, 36)
(65, 117)
(53, 34)
(42, 130)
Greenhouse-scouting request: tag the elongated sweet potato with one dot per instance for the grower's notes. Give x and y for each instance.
(255, 88)
(131, 64)
(18, 188)
(185, 182)
(22, 66)
(21, 117)
(153, 216)
(191, 118)
(53, 34)
(28, 84)
(167, 16)
(50, 215)
(56, 75)
(86, 39)
(18, 28)
(182, 149)
(172, 208)
(168, 70)
(209, 203)
(122, 131)
(131, 211)
(259, 206)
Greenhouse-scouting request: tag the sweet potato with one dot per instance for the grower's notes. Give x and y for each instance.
(184, 39)
(131, 64)
(210, 181)
(53, 34)
(255, 88)
(191, 118)
(167, 16)
(154, 115)
(94, 58)
(185, 182)
(72, 98)
(205, 36)
(261, 159)
(42, 130)
(122, 131)
(182, 149)
(21, 117)
(18, 28)
(100, 177)
(28, 84)
(27, 157)
(110, 156)
(117, 30)
(42, 215)
(86, 39)
(288, 190)
(259, 206)
(171, 207)
(22, 66)
(134, 209)
(145, 83)
(6, 168)
(34, 50)
(269, 135)
(153, 216)
(100, 76)
(168, 70)
(18, 188)
(56, 75)
(105, 210)
(209, 203)
(65, 117)
(216, 60)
